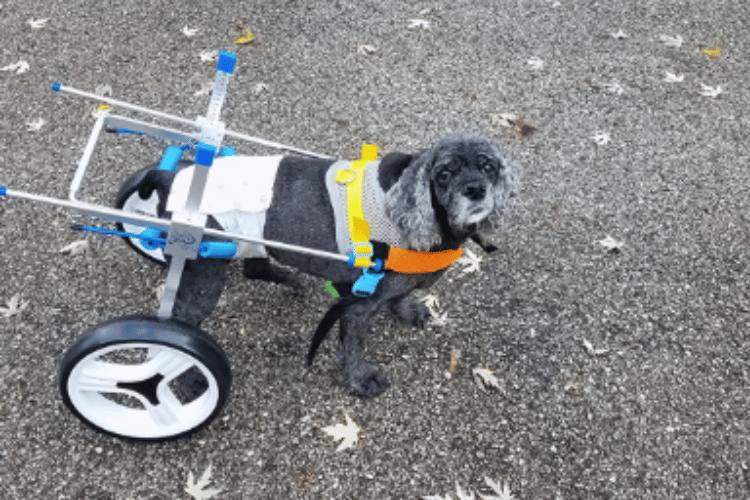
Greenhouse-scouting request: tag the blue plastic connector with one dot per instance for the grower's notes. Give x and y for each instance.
(171, 157)
(204, 154)
(217, 249)
(226, 62)
(56, 87)
(3, 192)
(366, 284)
(151, 238)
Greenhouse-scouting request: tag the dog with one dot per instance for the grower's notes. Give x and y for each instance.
(461, 188)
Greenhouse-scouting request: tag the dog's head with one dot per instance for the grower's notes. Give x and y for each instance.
(460, 187)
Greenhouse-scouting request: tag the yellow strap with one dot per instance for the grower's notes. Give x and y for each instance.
(353, 177)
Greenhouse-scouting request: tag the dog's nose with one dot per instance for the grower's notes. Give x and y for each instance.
(475, 191)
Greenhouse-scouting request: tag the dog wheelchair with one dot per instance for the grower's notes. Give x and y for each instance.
(147, 377)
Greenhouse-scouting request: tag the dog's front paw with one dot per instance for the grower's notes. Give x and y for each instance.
(367, 381)
(411, 310)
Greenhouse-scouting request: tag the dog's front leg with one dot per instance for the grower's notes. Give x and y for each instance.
(363, 378)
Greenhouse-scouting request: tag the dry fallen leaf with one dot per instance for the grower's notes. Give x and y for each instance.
(243, 40)
(710, 91)
(471, 261)
(15, 306)
(462, 495)
(590, 349)
(502, 493)
(614, 88)
(188, 32)
(365, 50)
(102, 110)
(76, 248)
(673, 78)
(348, 434)
(505, 119)
(535, 63)
(611, 245)
(455, 356)
(419, 23)
(485, 378)
(36, 125)
(37, 23)
(601, 138)
(671, 41)
(20, 67)
(103, 90)
(196, 488)
(712, 53)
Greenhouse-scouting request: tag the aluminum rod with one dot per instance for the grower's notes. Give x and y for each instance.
(75, 186)
(123, 104)
(167, 116)
(258, 140)
(114, 214)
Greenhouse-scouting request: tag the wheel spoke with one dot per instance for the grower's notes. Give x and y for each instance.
(169, 363)
(95, 383)
(167, 412)
(102, 376)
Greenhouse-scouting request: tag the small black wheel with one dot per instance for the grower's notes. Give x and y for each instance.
(139, 377)
(128, 199)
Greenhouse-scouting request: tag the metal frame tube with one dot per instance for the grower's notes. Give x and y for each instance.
(118, 215)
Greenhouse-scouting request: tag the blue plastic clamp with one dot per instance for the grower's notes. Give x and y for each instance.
(3, 192)
(227, 151)
(151, 238)
(366, 284)
(226, 62)
(172, 155)
(204, 154)
(56, 87)
(217, 249)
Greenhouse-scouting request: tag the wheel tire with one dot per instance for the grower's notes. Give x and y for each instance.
(138, 377)
(127, 199)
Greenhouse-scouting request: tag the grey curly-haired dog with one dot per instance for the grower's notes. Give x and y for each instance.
(430, 201)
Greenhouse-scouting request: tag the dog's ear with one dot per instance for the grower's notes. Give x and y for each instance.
(409, 204)
(505, 191)
(391, 167)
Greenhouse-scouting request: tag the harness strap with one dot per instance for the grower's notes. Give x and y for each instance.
(354, 177)
(411, 262)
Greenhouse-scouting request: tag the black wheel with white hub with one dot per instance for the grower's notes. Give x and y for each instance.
(139, 377)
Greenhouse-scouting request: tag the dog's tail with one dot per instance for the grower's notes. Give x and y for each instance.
(330, 318)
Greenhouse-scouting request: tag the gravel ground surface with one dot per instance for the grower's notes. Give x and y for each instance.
(623, 374)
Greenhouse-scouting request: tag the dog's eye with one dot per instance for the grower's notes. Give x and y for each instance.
(486, 165)
(444, 177)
